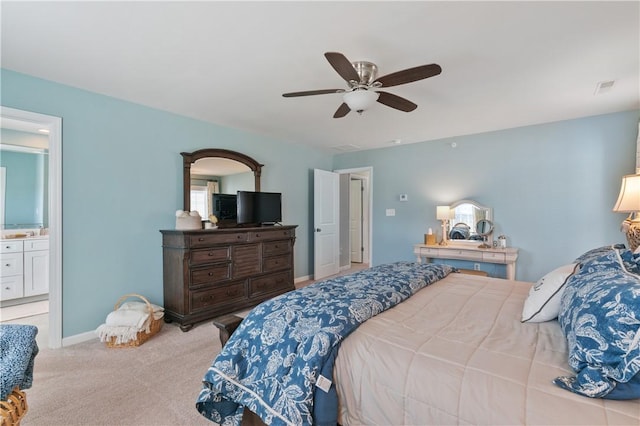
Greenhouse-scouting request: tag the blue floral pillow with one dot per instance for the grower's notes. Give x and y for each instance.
(597, 252)
(600, 317)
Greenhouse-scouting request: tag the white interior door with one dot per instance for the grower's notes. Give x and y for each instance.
(326, 209)
(355, 219)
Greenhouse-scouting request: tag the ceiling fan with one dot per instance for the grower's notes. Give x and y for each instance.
(362, 78)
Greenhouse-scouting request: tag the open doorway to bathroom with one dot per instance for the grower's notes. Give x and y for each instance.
(30, 223)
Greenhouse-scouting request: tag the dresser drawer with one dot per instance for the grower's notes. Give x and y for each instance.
(276, 263)
(11, 287)
(11, 264)
(210, 275)
(218, 296)
(206, 240)
(210, 255)
(11, 247)
(429, 252)
(270, 283)
(276, 247)
(461, 254)
(494, 257)
(271, 234)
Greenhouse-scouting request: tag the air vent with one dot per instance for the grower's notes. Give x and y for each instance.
(604, 87)
(346, 148)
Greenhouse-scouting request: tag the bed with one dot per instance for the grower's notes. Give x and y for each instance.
(456, 351)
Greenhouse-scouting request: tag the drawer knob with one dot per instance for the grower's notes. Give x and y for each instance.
(200, 239)
(277, 246)
(258, 235)
(239, 236)
(210, 274)
(7, 288)
(210, 253)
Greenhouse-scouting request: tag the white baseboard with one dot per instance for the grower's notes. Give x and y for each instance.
(300, 279)
(79, 338)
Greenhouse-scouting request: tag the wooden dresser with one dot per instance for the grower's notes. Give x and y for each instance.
(212, 272)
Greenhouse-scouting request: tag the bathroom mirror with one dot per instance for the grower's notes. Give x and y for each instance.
(227, 171)
(24, 166)
(465, 215)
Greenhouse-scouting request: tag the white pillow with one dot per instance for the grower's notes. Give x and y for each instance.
(543, 302)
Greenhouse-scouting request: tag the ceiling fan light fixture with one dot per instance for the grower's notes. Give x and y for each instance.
(360, 100)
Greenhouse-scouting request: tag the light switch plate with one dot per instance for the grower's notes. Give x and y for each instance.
(391, 212)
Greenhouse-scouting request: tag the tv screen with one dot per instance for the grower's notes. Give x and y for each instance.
(259, 207)
(225, 206)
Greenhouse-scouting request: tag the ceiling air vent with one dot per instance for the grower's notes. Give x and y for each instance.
(604, 87)
(346, 148)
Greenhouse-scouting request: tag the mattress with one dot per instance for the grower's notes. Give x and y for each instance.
(457, 353)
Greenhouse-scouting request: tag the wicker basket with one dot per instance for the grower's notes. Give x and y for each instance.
(14, 408)
(143, 336)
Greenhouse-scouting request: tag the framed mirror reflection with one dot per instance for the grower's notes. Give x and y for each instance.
(471, 222)
(211, 179)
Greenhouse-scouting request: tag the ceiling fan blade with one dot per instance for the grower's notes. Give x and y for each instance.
(312, 92)
(395, 101)
(342, 66)
(342, 111)
(409, 75)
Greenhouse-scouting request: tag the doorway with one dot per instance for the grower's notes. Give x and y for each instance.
(14, 118)
(356, 203)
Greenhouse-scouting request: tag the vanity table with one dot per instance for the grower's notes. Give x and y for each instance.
(465, 251)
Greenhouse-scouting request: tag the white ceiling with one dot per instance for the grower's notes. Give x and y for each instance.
(505, 64)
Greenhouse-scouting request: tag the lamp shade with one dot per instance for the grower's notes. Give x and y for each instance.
(442, 212)
(360, 100)
(629, 197)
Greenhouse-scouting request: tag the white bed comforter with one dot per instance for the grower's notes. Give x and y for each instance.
(457, 353)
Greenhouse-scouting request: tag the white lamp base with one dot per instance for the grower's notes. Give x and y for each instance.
(444, 241)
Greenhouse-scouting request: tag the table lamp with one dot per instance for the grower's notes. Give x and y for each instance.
(443, 213)
(629, 202)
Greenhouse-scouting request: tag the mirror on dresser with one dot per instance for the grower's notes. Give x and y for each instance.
(217, 171)
(465, 217)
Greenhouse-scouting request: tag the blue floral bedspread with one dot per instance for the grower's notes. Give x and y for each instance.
(18, 349)
(279, 362)
(600, 317)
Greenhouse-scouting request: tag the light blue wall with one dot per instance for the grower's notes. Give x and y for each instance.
(122, 183)
(552, 187)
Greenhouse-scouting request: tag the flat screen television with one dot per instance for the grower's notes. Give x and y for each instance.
(225, 206)
(262, 208)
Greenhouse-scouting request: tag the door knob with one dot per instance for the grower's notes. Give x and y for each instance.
(318, 230)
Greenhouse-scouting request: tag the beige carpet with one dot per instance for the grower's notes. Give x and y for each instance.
(156, 383)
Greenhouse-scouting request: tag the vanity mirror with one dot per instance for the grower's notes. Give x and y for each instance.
(217, 171)
(472, 221)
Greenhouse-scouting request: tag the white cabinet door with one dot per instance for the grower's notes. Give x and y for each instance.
(36, 272)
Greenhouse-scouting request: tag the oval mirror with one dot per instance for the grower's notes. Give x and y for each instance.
(484, 227)
(216, 171)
